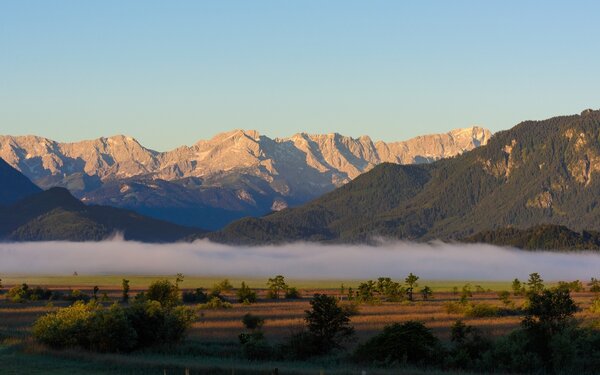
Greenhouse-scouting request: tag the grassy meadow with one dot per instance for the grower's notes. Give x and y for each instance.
(212, 344)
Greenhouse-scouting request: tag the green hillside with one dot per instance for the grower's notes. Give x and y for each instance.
(56, 215)
(539, 172)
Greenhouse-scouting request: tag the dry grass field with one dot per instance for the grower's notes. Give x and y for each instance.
(211, 346)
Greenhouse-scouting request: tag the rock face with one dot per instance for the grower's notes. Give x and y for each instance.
(212, 182)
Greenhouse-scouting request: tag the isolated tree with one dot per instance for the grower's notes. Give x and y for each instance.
(245, 294)
(222, 286)
(328, 323)
(517, 287)
(411, 282)
(276, 286)
(125, 287)
(535, 284)
(549, 310)
(426, 293)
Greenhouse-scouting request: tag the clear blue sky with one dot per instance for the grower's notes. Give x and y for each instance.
(172, 72)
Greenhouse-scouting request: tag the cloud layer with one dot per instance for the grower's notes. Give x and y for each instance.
(299, 260)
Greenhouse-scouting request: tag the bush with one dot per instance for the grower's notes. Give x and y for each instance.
(23, 292)
(76, 296)
(245, 294)
(253, 322)
(410, 342)
(196, 296)
(164, 292)
(109, 330)
(455, 307)
(65, 328)
(482, 310)
(255, 347)
(113, 330)
(292, 293)
(215, 303)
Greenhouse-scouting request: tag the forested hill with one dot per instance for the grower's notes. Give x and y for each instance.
(29, 214)
(541, 237)
(539, 172)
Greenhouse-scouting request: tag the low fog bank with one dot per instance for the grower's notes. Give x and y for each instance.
(299, 260)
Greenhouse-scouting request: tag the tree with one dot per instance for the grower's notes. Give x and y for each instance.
(95, 293)
(222, 286)
(410, 342)
(125, 287)
(549, 310)
(292, 293)
(535, 284)
(164, 292)
(411, 281)
(517, 287)
(426, 292)
(328, 323)
(276, 285)
(245, 294)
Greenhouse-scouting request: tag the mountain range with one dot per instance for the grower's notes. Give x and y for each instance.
(538, 172)
(214, 182)
(29, 214)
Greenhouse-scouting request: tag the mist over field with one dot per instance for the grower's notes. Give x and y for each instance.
(298, 260)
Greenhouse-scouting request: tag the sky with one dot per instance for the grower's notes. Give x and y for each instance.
(173, 72)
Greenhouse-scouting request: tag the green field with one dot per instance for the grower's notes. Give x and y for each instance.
(190, 281)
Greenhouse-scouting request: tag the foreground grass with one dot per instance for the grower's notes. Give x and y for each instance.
(19, 357)
(212, 347)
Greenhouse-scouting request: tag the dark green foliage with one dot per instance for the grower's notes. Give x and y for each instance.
(109, 330)
(125, 290)
(426, 293)
(517, 287)
(195, 296)
(254, 343)
(411, 282)
(328, 323)
(535, 284)
(571, 286)
(23, 293)
(156, 324)
(276, 286)
(292, 293)
(222, 286)
(469, 346)
(255, 347)
(539, 237)
(253, 322)
(409, 342)
(76, 295)
(245, 294)
(384, 289)
(164, 292)
(115, 329)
